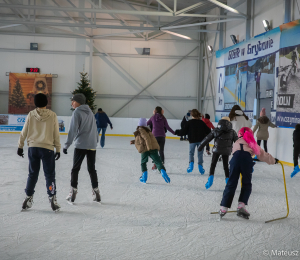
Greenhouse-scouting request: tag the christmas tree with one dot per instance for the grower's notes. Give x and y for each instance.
(85, 89)
(17, 98)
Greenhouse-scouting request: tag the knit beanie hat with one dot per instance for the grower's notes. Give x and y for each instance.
(142, 122)
(188, 114)
(207, 116)
(80, 98)
(263, 112)
(226, 118)
(40, 100)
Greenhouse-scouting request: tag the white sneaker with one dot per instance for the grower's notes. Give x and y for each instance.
(72, 195)
(27, 203)
(96, 195)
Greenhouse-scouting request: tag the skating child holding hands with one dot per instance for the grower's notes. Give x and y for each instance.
(147, 146)
(243, 150)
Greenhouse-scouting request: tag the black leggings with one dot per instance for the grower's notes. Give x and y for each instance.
(296, 155)
(265, 144)
(214, 161)
(161, 142)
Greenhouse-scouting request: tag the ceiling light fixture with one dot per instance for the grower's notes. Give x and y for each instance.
(266, 25)
(178, 35)
(233, 38)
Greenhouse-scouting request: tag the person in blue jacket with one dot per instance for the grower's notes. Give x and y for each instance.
(102, 120)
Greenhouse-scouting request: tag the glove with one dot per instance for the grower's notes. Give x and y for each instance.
(176, 132)
(57, 156)
(20, 152)
(111, 127)
(276, 160)
(65, 151)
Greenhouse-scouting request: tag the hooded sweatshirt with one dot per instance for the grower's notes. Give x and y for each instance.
(41, 130)
(240, 121)
(83, 129)
(102, 120)
(159, 123)
(262, 125)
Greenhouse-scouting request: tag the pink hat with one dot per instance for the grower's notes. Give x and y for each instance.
(263, 112)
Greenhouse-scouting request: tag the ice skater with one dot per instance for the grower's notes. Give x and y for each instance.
(224, 137)
(296, 140)
(42, 133)
(257, 81)
(102, 121)
(183, 123)
(83, 130)
(147, 146)
(263, 122)
(196, 130)
(159, 125)
(243, 150)
(206, 120)
(238, 118)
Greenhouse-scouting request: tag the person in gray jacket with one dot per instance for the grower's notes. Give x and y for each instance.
(83, 130)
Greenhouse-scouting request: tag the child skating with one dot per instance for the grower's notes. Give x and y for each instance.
(42, 133)
(224, 137)
(243, 150)
(296, 139)
(147, 146)
(196, 130)
(206, 120)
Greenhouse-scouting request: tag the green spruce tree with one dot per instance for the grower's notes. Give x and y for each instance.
(17, 98)
(85, 89)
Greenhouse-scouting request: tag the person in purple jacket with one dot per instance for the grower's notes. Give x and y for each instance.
(159, 124)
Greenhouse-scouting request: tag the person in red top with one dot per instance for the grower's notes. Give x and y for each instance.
(211, 126)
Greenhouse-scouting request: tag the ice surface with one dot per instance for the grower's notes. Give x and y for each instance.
(142, 221)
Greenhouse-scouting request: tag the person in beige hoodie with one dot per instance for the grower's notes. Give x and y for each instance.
(42, 133)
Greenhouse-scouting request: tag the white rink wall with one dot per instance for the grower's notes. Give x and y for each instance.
(280, 143)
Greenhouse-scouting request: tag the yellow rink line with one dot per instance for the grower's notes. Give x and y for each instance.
(242, 102)
(168, 137)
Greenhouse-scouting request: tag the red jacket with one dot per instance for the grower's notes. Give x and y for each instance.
(208, 123)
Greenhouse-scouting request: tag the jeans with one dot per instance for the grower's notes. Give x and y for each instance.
(102, 140)
(214, 161)
(192, 152)
(265, 144)
(154, 156)
(35, 155)
(79, 155)
(161, 142)
(296, 155)
(241, 162)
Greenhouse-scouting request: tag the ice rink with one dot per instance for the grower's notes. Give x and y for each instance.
(143, 221)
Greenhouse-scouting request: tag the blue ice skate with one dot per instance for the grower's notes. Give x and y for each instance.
(226, 180)
(165, 176)
(144, 177)
(296, 170)
(209, 182)
(190, 168)
(201, 170)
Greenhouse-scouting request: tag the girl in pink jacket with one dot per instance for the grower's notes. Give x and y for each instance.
(243, 150)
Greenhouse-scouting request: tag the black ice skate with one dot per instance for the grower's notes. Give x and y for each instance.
(243, 213)
(27, 204)
(54, 205)
(96, 195)
(222, 213)
(72, 195)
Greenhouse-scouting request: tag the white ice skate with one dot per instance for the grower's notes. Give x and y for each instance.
(27, 203)
(72, 195)
(54, 205)
(96, 195)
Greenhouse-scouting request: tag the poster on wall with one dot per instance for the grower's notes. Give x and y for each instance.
(247, 71)
(22, 89)
(288, 98)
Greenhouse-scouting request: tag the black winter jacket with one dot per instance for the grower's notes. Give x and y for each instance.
(224, 137)
(196, 130)
(296, 138)
(183, 122)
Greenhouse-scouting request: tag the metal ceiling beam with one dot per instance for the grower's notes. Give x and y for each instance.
(165, 6)
(38, 23)
(149, 85)
(10, 25)
(189, 8)
(81, 14)
(197, 24)
(230, 9)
